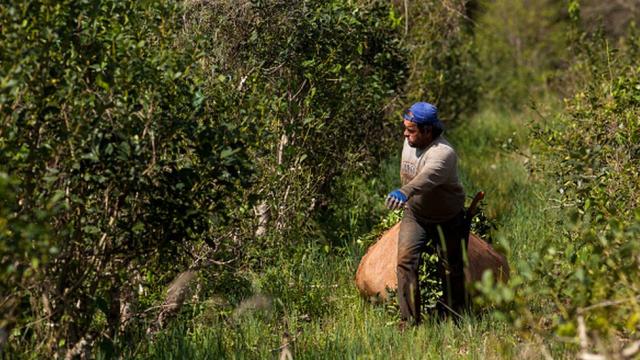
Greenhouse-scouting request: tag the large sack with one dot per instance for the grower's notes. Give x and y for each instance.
(377, 269)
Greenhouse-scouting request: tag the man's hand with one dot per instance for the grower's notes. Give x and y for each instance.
(396, 200)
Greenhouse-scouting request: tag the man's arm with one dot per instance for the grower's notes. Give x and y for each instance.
(396, 199)
(436, 171)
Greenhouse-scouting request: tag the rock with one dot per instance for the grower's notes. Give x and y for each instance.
(377, 269)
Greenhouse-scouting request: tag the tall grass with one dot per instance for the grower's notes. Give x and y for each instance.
(315, 311)
(495, 158)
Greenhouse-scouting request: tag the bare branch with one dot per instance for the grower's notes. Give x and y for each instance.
(582, 334)
(631, 350)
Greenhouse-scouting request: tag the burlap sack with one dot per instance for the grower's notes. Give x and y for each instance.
(377, 269)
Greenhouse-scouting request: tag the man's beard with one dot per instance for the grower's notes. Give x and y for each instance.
(414, 145)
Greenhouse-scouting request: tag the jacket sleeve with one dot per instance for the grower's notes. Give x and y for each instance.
(436, 171)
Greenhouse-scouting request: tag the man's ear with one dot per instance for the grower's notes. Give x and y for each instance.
(428, 133)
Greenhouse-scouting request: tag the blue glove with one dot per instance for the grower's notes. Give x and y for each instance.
(396, 200)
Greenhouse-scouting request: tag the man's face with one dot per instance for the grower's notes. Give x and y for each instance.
(414, 136)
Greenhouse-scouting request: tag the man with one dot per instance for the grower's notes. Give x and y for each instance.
(433, 220)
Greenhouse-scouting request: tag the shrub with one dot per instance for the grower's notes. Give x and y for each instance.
(115, 156)
(596, 160)
(317, 77)
(520, 47)
(584, 284)
(442, 58)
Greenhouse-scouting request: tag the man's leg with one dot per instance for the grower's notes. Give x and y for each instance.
(451, 264)
(411, 242)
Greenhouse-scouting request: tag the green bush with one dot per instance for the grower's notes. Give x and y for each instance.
(115, 155)
(520, 47)
(596, 162)
(442, 58)
(316, 77)
(587, 279)
(126, 133)
(337, 67)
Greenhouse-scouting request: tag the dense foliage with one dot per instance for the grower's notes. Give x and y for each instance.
(520, 47)
(127, 130)
(442, 57)
(594, 154)
(314, 73)
(114, 155)
(583, 282)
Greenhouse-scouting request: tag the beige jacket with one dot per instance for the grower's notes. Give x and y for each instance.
(430, 181)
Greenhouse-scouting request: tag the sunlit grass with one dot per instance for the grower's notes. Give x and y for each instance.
(495, 158)
(353, 329)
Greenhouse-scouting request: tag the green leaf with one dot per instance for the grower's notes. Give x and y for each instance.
(228, 152)
(100, 81)
(138, 227)
(90, 229)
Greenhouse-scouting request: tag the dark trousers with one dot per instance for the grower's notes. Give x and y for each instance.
(447, 239)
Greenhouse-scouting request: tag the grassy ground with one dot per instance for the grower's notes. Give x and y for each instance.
(311, 307)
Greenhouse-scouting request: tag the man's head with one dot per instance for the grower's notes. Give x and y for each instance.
(421, 124)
